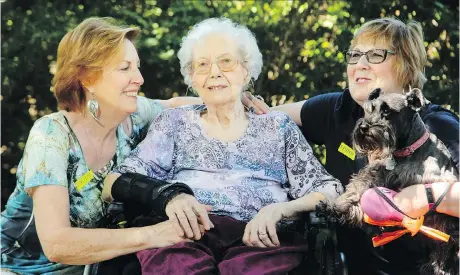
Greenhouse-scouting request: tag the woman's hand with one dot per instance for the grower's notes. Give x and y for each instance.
(187, 214)
(261, 230)
(255, 102)
(164, 234)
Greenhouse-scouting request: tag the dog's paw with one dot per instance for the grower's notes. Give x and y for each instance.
(326, 210)
(348, 213)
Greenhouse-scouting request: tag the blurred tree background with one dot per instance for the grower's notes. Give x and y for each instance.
(303, 44)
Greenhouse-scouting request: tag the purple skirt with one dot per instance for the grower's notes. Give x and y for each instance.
(221, 251)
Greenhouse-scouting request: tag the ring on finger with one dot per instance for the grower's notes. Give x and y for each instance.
(262, 233)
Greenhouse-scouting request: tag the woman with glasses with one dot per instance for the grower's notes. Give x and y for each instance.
(388, 54)
(253, 173)
(50, 223)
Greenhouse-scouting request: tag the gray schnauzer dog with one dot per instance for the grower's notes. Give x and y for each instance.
(390, 126)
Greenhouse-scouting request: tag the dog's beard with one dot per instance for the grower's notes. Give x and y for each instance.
(378, 140)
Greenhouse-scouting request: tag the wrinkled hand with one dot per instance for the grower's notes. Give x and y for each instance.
(255, 102)
(187, 214)
(261, 230)
(163, 234)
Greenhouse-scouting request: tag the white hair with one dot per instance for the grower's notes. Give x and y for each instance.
(244, 38)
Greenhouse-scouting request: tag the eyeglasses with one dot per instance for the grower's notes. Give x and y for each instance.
(374, 56)
(225, 63)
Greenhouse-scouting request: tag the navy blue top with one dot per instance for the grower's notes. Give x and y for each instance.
(329, 119)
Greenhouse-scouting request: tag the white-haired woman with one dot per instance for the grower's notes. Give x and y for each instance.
(252, 171)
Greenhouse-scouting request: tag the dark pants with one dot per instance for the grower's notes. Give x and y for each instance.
(395, 258)
(221, 251)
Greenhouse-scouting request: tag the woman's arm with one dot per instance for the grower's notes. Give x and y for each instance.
(79, 246)
(315, 116)
(305, 204)
(309, 184)
(168, 200)
(180, 101)
(305, 173)
(413, 201)
(154, 157)
(445, 126)
(261, 230)
(247, 99)
(293, 110)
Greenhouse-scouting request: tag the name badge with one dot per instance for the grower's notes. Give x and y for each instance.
(347, 151)
(84, 180)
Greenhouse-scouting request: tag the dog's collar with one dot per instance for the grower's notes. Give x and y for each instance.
(409, 150)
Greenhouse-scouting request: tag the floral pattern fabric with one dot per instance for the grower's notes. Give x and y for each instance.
(53, 156)
(272, 162)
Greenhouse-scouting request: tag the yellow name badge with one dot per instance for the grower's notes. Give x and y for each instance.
(84, 180)
(347, 151)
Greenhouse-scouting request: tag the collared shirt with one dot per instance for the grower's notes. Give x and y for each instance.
(329, 120)
(270, 163)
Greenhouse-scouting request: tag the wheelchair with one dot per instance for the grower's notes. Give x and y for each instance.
(322, 258)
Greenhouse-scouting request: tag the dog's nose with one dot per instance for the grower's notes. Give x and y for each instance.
(364, 126)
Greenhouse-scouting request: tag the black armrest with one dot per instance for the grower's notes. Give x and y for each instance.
(312, 219)
(320, 233)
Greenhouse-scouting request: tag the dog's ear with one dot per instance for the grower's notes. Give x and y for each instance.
(415, 99)
(375, 94)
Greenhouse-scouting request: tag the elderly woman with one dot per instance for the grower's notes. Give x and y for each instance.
(49, 220)
(251, 171)
(388, 54)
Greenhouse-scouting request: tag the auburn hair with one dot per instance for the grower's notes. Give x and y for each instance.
(82, 54)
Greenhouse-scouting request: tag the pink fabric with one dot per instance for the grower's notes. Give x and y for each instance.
(377, 208)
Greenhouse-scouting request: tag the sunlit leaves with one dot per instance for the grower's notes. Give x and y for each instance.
(302, 42)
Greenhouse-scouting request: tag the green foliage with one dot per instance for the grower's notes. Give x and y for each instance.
(303, 44)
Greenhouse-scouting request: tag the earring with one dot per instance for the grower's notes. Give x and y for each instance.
(93, 108)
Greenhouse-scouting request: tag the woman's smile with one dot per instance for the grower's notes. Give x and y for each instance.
(217, 87)
(130, 93)
(362, 80)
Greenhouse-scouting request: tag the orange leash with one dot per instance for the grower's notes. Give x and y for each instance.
(412, 226)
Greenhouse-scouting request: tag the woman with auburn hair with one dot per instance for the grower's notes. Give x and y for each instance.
(48, 226)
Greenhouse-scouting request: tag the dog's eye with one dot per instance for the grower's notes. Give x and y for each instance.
(386, 113)
(385, 110)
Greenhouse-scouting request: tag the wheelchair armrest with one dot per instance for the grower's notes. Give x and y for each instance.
(320, 233)
(313, 224)
(318, 228)
(313, 220)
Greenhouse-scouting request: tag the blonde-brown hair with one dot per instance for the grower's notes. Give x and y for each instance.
(82, 54)
(406, 40)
